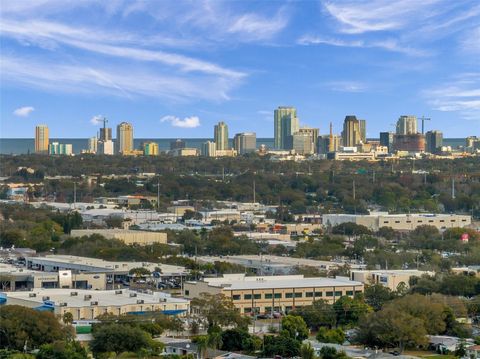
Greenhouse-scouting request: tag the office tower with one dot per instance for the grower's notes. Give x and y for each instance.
(105, 147)
(302, 143)
(472, 141)
(285, 125)
(433, 141)
(56, 148)
(351, 131)
(386, 139)
(328, 143)
(363, 130)
(92, 145)
(407, 125)
(124, 140)
(41, 139)
(245, 142)
(105, 132)
(150, 149)
(409, 143)
(177, 144)
(209, 149)
(313, 132)
(221, 136)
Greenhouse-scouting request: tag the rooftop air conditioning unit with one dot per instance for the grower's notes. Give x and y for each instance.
(87, 297)
(73, 294)
(118, 292)
(63, 304)
(94, 303)
(45, 298)
(140, 301)
(32, 295)
(133, 295)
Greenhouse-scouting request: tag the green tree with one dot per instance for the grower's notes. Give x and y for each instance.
(377, 295)
(294, 326)
(326, 335)
(62, 350)
(349, 310)
(319, 314)
(20, 327)
(307, 352)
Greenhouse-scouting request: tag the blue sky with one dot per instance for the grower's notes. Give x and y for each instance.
(175, 68)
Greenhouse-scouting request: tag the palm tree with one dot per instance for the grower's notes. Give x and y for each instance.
(307, 352)
(202, 345)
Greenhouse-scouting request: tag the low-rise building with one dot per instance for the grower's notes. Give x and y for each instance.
(399, 222)
(268, 294)
(392, 279)
(142, 238)
(88, 304)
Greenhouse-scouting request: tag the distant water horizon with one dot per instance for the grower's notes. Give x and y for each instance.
(19, 146)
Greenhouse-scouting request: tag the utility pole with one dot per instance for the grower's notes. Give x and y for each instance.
(254, 199)
(453, 187)
(74, 195)
(158, 195)
(373, 177)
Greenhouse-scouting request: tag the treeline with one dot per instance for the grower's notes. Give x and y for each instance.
(301, 187)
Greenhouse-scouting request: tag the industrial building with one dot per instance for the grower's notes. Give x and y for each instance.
(268, 294)
(115, 271)
(399, 222)
(276, 265)
(88, 304)
(392, 279)
(142, 238)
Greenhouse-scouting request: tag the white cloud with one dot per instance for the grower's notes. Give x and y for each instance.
(386, 44)
(112, 80)
(23, 111)
(257, 27)
(471, 42)
(187, 122)
(356, 17)
(347, 86)
(96, 120)
(461, 95)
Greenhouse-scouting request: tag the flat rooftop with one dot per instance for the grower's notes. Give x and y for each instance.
(103, 297)
(96, 263)
(270, 260)
(236, 283)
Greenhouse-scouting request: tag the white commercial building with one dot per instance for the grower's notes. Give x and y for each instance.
(88, 304)
(399, 222)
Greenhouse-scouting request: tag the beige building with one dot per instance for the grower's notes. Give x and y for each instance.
(273, 293)
(89, 304)
(142, 238)
(221, 136)
(124, 141)
(41, 139)
(183, 152)
(399, 222)
(392, 279)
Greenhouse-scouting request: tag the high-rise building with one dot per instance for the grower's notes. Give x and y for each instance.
(92, 145)
(351, 131)
(105, 132)
(302, 143)
(150, 149)
(245, 142)
(407, 125)
(41, 139)
(363, 130)
(56, 148)
(177, 144)
(105, 147)
(328, 143)
(313, 132)
(409, 143)
(386, 139)
(433, 141)
(209, 149)
(124, 140)
(221, 136)
(285, 125)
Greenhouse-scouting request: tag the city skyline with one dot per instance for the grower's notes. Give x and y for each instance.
(189, 67)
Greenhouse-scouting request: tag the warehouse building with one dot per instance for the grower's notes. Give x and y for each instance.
(273, 293)
(392, 279)
(142, 238)
(399, 222)
(88, 305)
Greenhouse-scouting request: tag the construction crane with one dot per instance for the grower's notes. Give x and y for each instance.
(423, 119)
